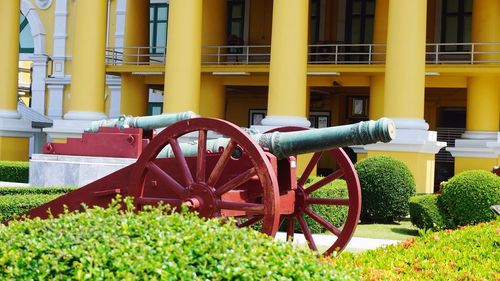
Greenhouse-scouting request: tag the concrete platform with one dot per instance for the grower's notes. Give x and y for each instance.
(13, 184)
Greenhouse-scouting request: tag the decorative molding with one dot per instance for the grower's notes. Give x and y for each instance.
(477, 144)
(36, 25)
(115, 101)
(39, 67)
(56, 93)
(84, 115)
(9, 114)
(43, 4)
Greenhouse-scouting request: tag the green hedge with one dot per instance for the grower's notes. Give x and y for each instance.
(470, 253)
(13, 205)
(34, 190)
(467, 197)
(108, 244)
(425, 213)
(386, 186)
(13, 171)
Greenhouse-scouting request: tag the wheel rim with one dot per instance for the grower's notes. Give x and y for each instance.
(200, 183)
(305, 202)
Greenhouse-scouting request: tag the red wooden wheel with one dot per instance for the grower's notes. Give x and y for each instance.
(236, 181)
(305, 201)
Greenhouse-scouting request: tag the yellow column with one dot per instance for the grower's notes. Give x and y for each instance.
(404, 89)
(183, 66)
(88, 67)
(214, 33)
(134, 95)
(483, 96)
(405, 60)
(9, 56)
(485, 22)
(376, 105)
(287, 76)
(380, 30)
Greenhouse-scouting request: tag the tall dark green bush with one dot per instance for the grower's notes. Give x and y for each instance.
(108, 244)
(34, 190)
(13, 171)
(425, 213)
(386, 185)
(467, 197)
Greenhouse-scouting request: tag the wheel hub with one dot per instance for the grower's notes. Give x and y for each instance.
(201, 198)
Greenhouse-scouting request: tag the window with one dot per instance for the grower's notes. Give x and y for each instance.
(158, 22)
(236, 22)
(315, 20)
(26, 44)
(359, 28)
(456, 24)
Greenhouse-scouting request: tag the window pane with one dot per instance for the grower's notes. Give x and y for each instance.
(451, 29)
(356, 7)
(151, 35)
(236, 28)
(370, 7)
(368, 30)
(151, 13)
(468, 6)
(161, 35)
(162, 13)
(356, 31)
(467, 29)
(237, 11)
(26, 39)
(452, 6)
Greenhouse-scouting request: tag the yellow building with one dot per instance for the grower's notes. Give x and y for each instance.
(431, 65)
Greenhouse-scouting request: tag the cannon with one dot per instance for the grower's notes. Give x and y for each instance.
(249, 177)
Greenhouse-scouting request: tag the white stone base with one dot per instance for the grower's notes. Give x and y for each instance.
(271, 122)
(477, 144)
(412, 135)
(64, 170)
(16, 128)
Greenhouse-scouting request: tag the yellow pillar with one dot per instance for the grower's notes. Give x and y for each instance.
(9, 56)
(476, 148)
(183, 66)
(404, 83)
(287, 76)
(88, 67)
(380, 30)
(134, 94)
(485, 29)
(405, 60)
(214, 31)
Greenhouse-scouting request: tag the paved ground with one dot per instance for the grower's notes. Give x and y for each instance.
(355, 245)
(5, 183)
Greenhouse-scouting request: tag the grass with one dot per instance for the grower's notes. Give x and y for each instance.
(397, 231)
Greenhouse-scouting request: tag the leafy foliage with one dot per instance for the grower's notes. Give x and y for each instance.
(467, 197)
(111, 244)
(386, 186)
(34, 190)
(13, 205)
(470, 253)
(14, 171)
(425, 213)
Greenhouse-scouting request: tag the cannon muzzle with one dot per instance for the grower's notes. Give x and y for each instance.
(284, 144)
(145, 122)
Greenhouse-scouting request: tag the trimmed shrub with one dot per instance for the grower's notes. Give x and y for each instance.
(109, 244)
(467, 197)
(13, 205)
(34, 190)
(425, 213)
(334, 214)
(470, 253)
(13, 171)
(386, 185)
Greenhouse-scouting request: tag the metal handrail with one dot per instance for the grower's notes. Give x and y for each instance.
(436, 53)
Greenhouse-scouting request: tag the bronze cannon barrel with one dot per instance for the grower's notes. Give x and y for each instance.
(144, 122)
(284, 144)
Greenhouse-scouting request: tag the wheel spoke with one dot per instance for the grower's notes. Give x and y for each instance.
(201, 160)
(307, 232)
(236, 181)
(251, 221)
(328, 201)
(310, 166)
(221, 164)
(181, 162)
(290, 228)
(326, 224)
(326, 180)
(240, 206)
(170, 183)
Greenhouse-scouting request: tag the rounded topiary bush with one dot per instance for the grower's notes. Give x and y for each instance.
(467, 197)
(386, 185)
(109, 244)
(426, 214)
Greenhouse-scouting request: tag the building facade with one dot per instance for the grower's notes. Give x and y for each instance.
(431, 65)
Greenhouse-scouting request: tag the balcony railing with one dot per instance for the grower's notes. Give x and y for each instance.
(436, 53)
